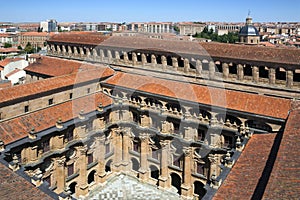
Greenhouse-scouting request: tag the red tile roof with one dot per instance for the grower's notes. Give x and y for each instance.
(9, 50)
(52, 66)
(244, 176)
(6, 61)
(18, 128)
(12, 72)
(217, 50)
(49, 84)
(240, 101)
(13, 186)
(284, 181)
(37, 34)
(87, 38)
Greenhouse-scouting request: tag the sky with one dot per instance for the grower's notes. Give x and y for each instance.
(149, 10)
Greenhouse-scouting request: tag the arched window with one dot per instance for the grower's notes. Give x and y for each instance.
(199, 189)
(91, 177)
(72, 187)
(107, 166)
(135, 164)
(176, 182)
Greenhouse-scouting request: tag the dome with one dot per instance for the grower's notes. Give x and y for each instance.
(249, 30)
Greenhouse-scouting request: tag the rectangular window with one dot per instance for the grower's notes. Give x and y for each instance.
(0, 116)
(26, 109)
(50, 101)
(88, 90)
(227, 141)
(154, 154)
(177, 161)
(48, 180)
(90, 158)
(201, 135)
(69, 135)
(71, 95)
(46, 146)
(200, 168)
(136, 146)
(70, 169)
(107, 148)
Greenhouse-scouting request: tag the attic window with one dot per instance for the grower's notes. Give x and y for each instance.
(26, 108)
(50, 101)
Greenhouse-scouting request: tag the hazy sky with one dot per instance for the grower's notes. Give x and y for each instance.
(150, 10)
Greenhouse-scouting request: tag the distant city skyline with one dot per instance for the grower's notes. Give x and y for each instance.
(142, 11)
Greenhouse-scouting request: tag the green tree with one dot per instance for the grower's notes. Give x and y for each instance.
(29, 48)
(7, 45)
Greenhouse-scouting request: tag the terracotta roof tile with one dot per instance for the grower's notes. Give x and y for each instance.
(212, 49)
(244, 176)
(36, 34)
(240, 101)
(18, 128)
(13, 186)
(13, 72)
(9, 50)
(52, 66)
(284, 181)
(6, 61)
(49, 84)
(87, 38)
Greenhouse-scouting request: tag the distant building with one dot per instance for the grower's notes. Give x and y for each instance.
(190, 28)
(34, 38)
(49, 25)
(151, 27)
(249, 34)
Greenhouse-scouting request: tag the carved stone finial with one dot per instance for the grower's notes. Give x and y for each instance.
(32, 133)
(81, 114)
(2, 148)
(100, 107)
(59, 123)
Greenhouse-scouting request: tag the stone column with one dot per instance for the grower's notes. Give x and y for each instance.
(144, 59)
(82, 165)
(255, 74)
(134, 59)
(117, 141)
(64, 51)
(59, 173)
(240, 72)
(272, 76)
(164, 62)
(58, 50)
(70, 51)
(94, 52)
(75, 51)
(212, 70)
(164, 179)
(198, 67)
(88, 52)
(100, 156)
(109, 56)
(175, 63)
(144, 169)
(289, 78)
(125, 55)
(101, 55)
(225, 68)
(186, 68)
(153, 61)
(81, 51)
(117, 56)
(127, 137)
(187, 189)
